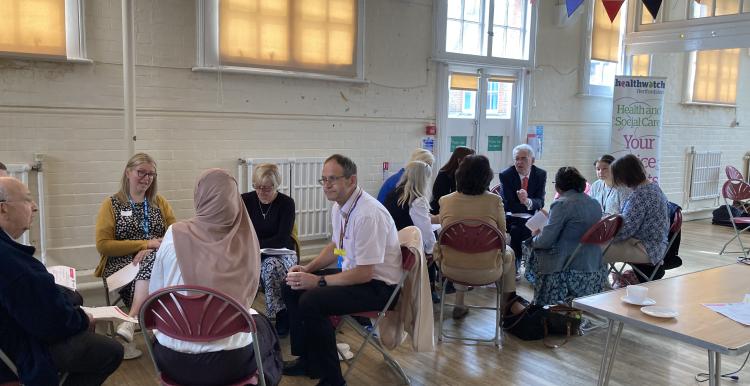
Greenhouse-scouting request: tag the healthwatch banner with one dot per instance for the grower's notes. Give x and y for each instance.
(638, 106)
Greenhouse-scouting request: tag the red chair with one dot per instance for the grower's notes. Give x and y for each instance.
(733, 173)
(408, 262)
(497, 189)
(600, 234)
(197, 314)
(471, 237)
(736, 191)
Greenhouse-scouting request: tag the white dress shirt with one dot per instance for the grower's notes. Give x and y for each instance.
(419, 211)
(370, 237)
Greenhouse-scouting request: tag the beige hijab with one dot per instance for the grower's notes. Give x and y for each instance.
(218, 248)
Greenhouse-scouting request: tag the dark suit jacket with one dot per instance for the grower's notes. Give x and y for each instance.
(511, 183)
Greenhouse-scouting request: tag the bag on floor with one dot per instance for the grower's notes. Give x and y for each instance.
(540, 322)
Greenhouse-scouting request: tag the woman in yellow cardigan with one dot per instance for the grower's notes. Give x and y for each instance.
(129, 229)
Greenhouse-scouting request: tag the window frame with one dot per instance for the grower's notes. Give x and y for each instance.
(75, 38)
(440, 54)
(207, 48)
(689, 84)
(585, 88)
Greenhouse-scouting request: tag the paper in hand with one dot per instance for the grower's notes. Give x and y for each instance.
(122, 277)
(64, 276)
(537, 221)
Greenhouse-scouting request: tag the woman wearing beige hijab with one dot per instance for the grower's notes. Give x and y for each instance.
(217, 249)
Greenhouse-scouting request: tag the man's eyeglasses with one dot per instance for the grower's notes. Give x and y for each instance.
(263, 188)
(330, 180)
(142, 174)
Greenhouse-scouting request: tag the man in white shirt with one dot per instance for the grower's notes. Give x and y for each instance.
(365, 243)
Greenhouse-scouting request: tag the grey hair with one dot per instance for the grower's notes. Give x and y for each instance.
(523, 146)
(3, 194)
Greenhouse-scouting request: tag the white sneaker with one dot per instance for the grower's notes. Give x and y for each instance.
(126, 330)
(130, 351)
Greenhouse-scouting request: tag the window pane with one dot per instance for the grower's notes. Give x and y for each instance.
(498, 42)
(702, 9)
(33, 27)
(727, 7)
(472, 39)
(461, 104)
(514, 46)
(602, 73)
(639, 65)
(453, 36)
(454, 9)
(499, 99)
(646, 17)
(716, 76)
(473, 10)
(515, 13)
(501, 13)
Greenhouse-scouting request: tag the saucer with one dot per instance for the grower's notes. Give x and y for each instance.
(644, 302)
(660, 312)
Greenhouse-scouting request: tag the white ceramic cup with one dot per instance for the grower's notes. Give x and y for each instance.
(637, 293)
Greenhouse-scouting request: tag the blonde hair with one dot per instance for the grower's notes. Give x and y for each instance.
(136, 160)
(414, 182)
(268, 172)
(422, 155)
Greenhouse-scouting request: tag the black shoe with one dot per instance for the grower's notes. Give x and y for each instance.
(435, 297)
(325, 383)
(294, 368)
(282, 323)
(449, 288)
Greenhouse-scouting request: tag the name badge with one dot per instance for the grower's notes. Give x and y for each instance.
(339, 252)
(126, 213)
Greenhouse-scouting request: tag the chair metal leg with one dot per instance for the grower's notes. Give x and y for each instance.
(498, 316)
(368, 338)
(442, 307)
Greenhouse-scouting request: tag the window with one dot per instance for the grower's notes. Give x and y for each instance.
(488, 28)
(640, 65)
(463, 95)
(41, 29)
(299, 35)
(709, 8)
(604, 57)
(499, 98)
(714, 76)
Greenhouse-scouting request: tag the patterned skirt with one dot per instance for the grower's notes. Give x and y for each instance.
(115, 264)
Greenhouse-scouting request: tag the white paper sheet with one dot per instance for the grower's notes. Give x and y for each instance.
(64, 276)
(739, 312)
(122, 277)
(537, 221)
(110, 313)
(277, 251)
(519, 215)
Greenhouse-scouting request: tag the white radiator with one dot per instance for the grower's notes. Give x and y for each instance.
(22, 172)
(299, 180)
(704, 174)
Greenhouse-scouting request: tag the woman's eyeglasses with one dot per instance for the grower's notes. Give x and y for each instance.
(142, 174)
(263, 188)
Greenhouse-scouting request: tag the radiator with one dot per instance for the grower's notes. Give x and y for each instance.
(299, 180)
(22, 172)
(704, 174)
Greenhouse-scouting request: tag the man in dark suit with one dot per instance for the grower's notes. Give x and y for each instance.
(523, 193)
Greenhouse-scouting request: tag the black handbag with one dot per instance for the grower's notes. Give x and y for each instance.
(539, 322)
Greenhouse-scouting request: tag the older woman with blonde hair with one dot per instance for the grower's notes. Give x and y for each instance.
(272, 214)
(129, 229)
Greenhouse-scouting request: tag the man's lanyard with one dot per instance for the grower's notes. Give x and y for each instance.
(145, 214)
(345, 224)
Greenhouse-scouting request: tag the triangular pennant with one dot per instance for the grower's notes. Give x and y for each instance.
(612, 7)
(572, 5)
(652, 6)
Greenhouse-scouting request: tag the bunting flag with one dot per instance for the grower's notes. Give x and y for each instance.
(572, 5)
(613, 8)
(652, 6)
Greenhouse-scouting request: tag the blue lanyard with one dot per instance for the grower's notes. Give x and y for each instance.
(145, 214)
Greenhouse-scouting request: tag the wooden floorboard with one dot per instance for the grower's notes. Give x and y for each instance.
(642, 359)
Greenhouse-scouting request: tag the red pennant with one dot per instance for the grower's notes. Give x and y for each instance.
(652, 6)
(612, 7)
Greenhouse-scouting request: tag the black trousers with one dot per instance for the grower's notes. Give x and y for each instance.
(518, 233)
(312, 335)
(206, 369)
(88, 358)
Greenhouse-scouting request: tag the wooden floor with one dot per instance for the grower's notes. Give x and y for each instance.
(642, 359)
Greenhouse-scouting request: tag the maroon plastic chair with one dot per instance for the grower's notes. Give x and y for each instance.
(408, 261)
(600, 234)
(733, 173)
(471, 236)
(197, 314)
(736, 191)
(497, 189)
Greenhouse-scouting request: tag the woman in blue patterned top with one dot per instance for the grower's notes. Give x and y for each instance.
(643, 236)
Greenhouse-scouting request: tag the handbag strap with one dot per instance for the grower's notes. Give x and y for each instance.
(546, 335)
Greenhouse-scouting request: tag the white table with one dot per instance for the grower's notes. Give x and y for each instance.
(696, 324)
